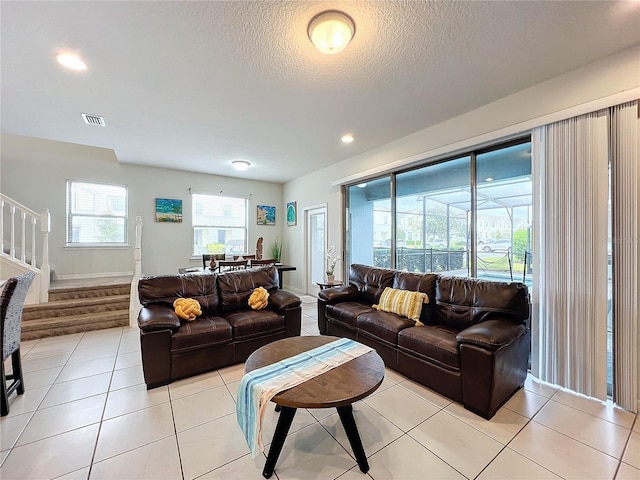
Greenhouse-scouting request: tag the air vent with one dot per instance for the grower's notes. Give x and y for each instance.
(90, 119)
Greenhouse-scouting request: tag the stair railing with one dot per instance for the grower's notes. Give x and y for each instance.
(18, 217)
(134, 303)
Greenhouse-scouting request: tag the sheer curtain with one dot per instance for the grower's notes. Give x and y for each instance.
(570, 173)
(625, 208)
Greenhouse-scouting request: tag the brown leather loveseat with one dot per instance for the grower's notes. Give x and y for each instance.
(474, 344)
(228, 330)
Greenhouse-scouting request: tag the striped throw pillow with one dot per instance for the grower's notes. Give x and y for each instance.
(402, 302)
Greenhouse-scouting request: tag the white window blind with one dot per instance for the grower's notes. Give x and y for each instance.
(96, 214)
(570, 160)
(219, 224)
(625, 178)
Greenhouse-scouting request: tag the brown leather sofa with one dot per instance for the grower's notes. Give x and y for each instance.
(475, 342)
(228, 330)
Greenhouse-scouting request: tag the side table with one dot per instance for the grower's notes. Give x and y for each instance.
(329, 285)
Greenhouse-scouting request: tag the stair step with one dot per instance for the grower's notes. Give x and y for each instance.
(75, 306)
(53, 326)
(70, 293)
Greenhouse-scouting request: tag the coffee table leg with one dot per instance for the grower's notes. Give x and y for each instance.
(349, 423)
(282, 428)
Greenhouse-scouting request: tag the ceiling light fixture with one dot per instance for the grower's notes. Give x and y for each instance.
(362, 185)
(348, 138)
(331, 31)
(240, 165)
(71, 61)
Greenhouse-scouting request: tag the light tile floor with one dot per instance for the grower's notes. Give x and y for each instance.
(86, 414)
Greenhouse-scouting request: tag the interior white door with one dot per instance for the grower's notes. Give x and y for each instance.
(316, 241)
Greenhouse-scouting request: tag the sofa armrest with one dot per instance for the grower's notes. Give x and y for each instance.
(281, 299)
(491, 334)
(157, 316)
(339, 294)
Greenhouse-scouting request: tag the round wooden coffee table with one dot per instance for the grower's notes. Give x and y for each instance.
(339, 387)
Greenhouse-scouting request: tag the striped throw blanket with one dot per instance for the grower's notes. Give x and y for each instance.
(259, 386)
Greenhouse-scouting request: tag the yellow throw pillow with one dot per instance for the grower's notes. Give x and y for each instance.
(187, 308)
(403, 302)
(259, 298)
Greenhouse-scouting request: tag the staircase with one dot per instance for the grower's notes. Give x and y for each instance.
(20, 240)
(79, 306)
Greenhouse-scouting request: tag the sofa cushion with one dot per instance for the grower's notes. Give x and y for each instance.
(347, 312)
(237, 286)
(254, 323)
(402, 302)
(461, 302)
(370, 281)
(383, 325)
(434, 343)
(168, 288)
(259, 298)
(201, 333)
(419, 282)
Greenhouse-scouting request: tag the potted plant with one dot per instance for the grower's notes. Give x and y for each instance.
(276, 249)
(332, 259)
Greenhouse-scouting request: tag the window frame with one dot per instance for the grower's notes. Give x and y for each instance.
(195, 225)
(70, 215)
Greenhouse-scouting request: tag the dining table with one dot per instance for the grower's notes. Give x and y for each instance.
(208, 270)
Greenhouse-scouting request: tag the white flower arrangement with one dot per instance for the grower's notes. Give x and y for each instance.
(332, 259)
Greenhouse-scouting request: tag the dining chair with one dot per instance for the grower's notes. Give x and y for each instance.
(245, 257)
(227, 265)
(267, 261)
(207, 257)
(14, 293)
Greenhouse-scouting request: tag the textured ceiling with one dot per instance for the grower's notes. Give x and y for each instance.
(195, 85)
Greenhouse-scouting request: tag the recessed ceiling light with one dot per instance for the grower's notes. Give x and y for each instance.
(488, 179)
(71, 61)
(240, 165)
(348, 138)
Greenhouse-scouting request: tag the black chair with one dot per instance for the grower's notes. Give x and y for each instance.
(207, 257)
(262, 262)
(244, 257)
(14, 293)
(232, 265)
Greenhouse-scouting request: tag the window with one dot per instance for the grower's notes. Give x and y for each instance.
(432, 218)
(96, 214)
(219, 224)
(468, 215)
(369, 225)
(504, 193)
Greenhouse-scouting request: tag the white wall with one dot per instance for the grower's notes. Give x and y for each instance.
(34, 172)
(490, 123)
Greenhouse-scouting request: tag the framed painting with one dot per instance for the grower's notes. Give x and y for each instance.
(266, 215)
(168, 210)
(292, 213)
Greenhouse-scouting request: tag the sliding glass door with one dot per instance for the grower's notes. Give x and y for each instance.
(369, 223)
(433, 205)
(504, 213)
(469, 215)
